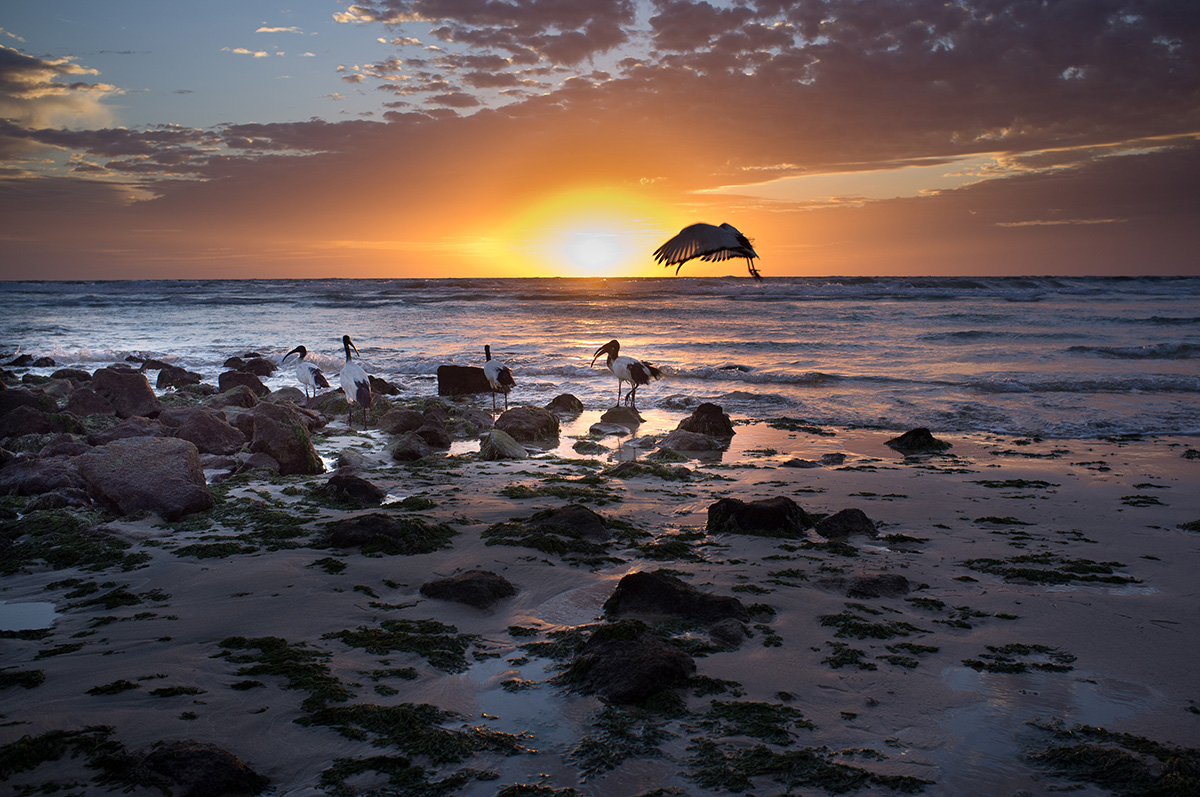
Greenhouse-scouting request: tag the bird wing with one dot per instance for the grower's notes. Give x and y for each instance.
(318, 378)
(696, 240)
(362, 393)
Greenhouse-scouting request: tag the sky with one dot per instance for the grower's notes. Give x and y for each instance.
(568, 138)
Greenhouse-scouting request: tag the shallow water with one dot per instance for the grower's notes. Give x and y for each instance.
(28, 616)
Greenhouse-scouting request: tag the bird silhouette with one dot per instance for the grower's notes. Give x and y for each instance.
(707, 242)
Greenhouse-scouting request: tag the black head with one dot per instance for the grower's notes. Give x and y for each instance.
(348, 344)
(487, 352)
(612, 349)
(303, 352)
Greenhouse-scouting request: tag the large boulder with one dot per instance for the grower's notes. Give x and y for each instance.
(770, 517)
(847, 522)
(208, 430)
(377, 532)
(529, 425)
(84, 401)
(136, 426)
(623, 663)
(157, 474)
(709, 419)
(410, 447)
(280, 433)
(624, 416)
(660, 594)
(565, 404)
(399, 420)
(457, 380)
(478, 588)
(683, 440)
(259, 366)
(867, 585)
(573, 521)
(354, 489)
(24, 420)
(498, 445)
(917, 441)
(232, 379)
(128, 392)
(174, 376)
(435, 434)
(38, 476)
(234, 396)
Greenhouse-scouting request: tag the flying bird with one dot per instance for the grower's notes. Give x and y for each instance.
(355, 383)
(498, 376)
(707, 242)
(307, 374)
(626, 369)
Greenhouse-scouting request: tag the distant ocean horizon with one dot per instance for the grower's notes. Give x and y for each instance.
(1056, 357)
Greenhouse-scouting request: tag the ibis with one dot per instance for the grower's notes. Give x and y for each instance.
(307, 374)
(626, 369)
(707, 242)
(499, 376)
(355, 383)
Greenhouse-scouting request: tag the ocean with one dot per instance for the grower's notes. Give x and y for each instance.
(1055, 357)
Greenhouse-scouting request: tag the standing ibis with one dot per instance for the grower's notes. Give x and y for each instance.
(498, 376)
(355, 383)
(707, 242)
(307, 374)
(626, 369)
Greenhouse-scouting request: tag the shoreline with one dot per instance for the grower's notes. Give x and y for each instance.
(990, 497)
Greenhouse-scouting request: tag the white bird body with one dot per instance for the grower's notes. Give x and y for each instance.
(707, 242)
(626, 369)
(307, 374)
(355, 383)
(499, 376)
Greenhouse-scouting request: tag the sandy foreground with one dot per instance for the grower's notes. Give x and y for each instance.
(941, 687)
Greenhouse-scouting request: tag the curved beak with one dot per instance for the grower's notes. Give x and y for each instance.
(607, 348)
(349, 344)
(298, 350)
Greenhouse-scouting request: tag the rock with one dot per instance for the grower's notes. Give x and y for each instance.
(728, 633)
(128, 391)
(435, 435)
(683, 440)
(257, 461)
(708, 419)
(845, 523)
(200, 769)
(24, 420)
(20, 361)
(478, 588)
(157, 474)
(400, 420)
(660, 594)
(393, 535)
(800, 463)
(833, 459)
(231, 379)
(565, 404)
(234, 396)
(130, 427)
(74, 374)
(917, 441)
(38, 476)
(382, 387)
(259, 366)
(84, 401)
(623, 663)
(205, 428)
(589, 448)
(352, 488)
(874, 585)
(65, 445)
(11, 399)
(470, 424)
(625, 416)
(573, 520)
(280, 433)
(529, 425)
(609, 429)
(771, 517)
(62, 498)
(410, 446)
(497, 445)
(457, 380)
(173, 376)
(666, 455)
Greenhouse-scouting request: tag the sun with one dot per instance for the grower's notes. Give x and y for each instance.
(586, 232)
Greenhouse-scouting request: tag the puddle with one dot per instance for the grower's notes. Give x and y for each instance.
(576, 606)
(26, 616)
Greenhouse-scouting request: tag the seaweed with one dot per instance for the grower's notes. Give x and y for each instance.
(1016, 657)
(303, 668)
(1047, 568)
(439, 644)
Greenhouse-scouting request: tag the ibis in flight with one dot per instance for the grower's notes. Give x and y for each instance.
(307, 374)
(626, 369)
(707, 242)
(498, 376)
(355, 383)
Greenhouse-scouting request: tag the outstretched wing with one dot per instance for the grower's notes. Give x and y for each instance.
(706, 242)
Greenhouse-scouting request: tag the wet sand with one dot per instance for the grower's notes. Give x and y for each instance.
(1116, 655)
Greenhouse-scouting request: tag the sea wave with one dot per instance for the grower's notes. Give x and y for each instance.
(1152, 351)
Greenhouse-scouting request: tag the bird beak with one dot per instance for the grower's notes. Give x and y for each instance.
(605, 349)
(289, 354)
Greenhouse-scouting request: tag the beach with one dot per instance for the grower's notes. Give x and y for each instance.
(1049, 585)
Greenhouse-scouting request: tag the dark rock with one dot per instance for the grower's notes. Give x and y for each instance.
(84, 401)
(200, 769)
(625, 416)
(279, 432)
(130, 427)
(65, 445)
(404, 536)
(800, 463)
(470, 424)
(62, 498)
(157, 474)
(623, 663)
(20, 361)
(659, 594)
(457, 380)
(128, 391)
(400, 420)
(498, 445)
(382, 387)
(207, 429)
(257, 461)
(874, 585)
(435, 435)
(846, 522)
(231, 379)
(154, 365)
(917, 441)
(609, 429)
(565, 404)
(709, 419)
(74, 374)
(11, 399)
(683, 440)
(38, 476)
(771, 517)
(728, 633)
(172, 376)
(478, 588)
(236, 396)
(833, 459)
(349, 487)
(259, 366)
(409, 447)
(529, 425)
(573, 520)
(44, 362)
(589, 448)
(24, 420)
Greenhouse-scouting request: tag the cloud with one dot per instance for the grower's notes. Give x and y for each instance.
(244, 51)
(38, 92)
(292, 29)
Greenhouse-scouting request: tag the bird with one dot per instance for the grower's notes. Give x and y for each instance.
(627, 369)
(707, 242)
(499, 376)
(355, 383)
(307, 374)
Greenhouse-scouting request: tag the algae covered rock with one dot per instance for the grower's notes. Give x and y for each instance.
(478, 588)
(498, 444)
(917, 441)
(529, 425)
(386, 534)
(623, 662)
(770, 517)
(660, 594)
(280, 433)
(847, 522)
(709, 419)
(128, 392)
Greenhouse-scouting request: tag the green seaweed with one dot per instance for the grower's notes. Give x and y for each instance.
(439, 644)
(301, 667)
